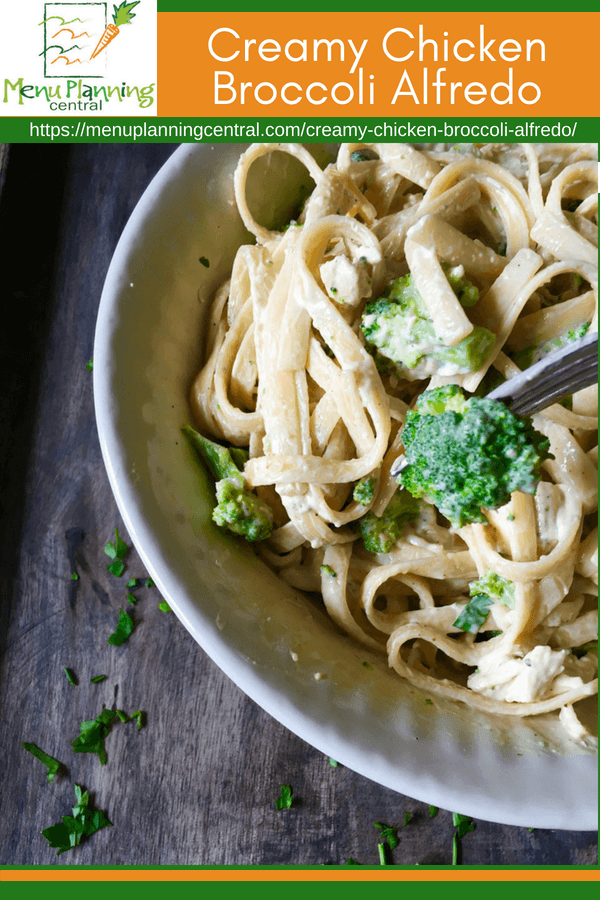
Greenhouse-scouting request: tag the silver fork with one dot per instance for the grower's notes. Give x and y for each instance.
(560, 373)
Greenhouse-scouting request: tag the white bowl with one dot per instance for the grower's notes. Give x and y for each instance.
(275, 644)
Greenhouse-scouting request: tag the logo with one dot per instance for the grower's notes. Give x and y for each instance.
(77, 34)
(97, 58)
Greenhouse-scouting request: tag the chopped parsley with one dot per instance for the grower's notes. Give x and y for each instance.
(51, 764)
(164, 606)
(123, 630)
(388, 834)
(484, 592)
(474, 614)
(118, 549)
(93, 732)
(590, 647)
(363, 155)
(352, 862)
(433, 811)
(138, 715)
(116, 552)
(204, 262)
(149, 583)
(327, 570)
(463, 824)
(97, 679)
(70, 676)
(130, 598)
(382, 849)
(132, 583)
(73, 829)
(333, 763)
(92, 735)
(74, 576)
(407, 817)
(89, 365)
(285, 800)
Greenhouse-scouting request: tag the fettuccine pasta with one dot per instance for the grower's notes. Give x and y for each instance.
(288, 374)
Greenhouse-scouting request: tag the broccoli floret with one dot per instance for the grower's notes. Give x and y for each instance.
(364, 490)
(530, 355)
(380, 533)
(398, 328)
(465, 454)
(242, 511)
(484, 593)
(238, 509)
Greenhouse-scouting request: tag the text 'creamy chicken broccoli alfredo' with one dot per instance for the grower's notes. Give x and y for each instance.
(413, 281)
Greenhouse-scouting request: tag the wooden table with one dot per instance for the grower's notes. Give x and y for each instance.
(197, 785)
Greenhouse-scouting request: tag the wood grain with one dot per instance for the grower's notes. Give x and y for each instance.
(197, 785)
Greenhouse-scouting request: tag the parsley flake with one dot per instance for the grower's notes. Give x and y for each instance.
(73, 829)
(123, 630)
(70, 676)
(116, 552)
(116, 568)
(454, 849)
(97, 679)
(284, 801)
(89, 365)
(388, 834)
(407, 817)
(203, 261)
(130, 598)
(333, 763)
(92, 735)
(74, 576)
(463, 824)
(149, 583)
(474, 614)
(51, 764)
(164, 606)
(433, 811)
(132, 583)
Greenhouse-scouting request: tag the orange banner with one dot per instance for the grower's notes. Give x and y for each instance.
(380, 64)
(356, 875)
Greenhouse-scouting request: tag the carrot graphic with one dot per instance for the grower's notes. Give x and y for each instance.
(122, 16)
